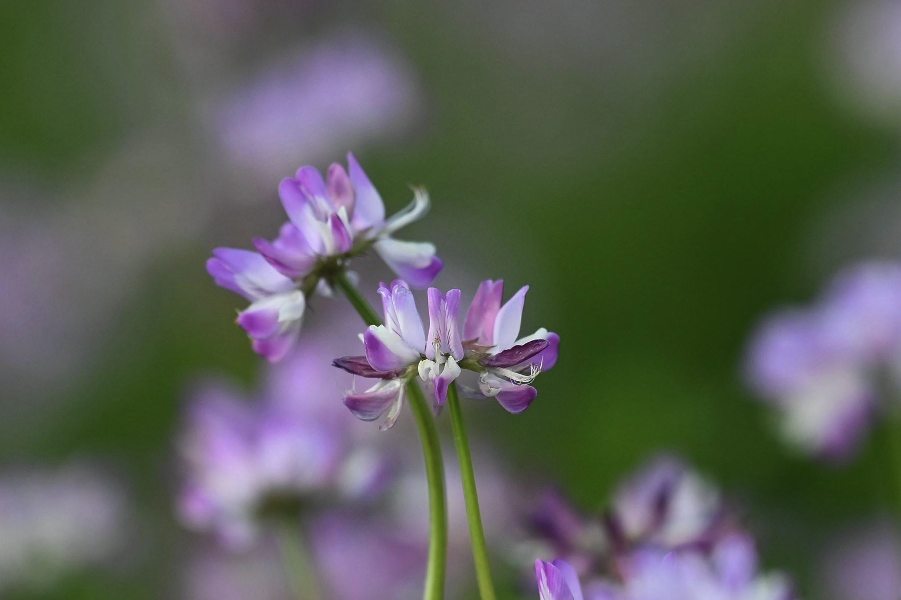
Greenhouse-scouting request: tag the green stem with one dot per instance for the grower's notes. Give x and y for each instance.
(889, 439)
(297, 562)
(471, 495)
(360, 303)
(431, 450)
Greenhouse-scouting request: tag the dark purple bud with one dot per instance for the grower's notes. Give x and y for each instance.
(358, 365)
(515, 355)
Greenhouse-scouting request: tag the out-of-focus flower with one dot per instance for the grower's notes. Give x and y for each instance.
(213, 573)
(332, 219)
(826, 368)
(387, 562)
(665, 504)
(399, 349)
(863, 564)
(57, 522)
(729, 572)
(247, 461)
(343, 91)
(557, 581)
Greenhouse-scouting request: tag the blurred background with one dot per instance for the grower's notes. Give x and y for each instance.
(660, 173)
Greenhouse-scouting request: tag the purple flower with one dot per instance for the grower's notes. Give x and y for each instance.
(399, 350)
(728, 573)
(863, 563)
(667, 505)
(827, 368)
(244, 460)
(557, 581)
(509, 363)
(331, 219)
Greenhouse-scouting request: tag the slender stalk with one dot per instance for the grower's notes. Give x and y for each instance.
(360, 303)
(297, 562)
(431, 450)
(434, 468)
(471, 495)
(889, 440)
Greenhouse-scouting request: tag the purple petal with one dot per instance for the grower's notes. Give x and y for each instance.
(547, 358)
(277, 347)
(409, 322)
(246, 273)
(509, 319)
(343, 239)
(293, 200)
(359, 365)
(311, 183)
(450, 372)
(340, 190)
(369, 210)
(372, 404)
(551, 582)
(413, 261)
(570, 577)
(516, 354)
(386, 351)
(516, 398)
(435, 299)
(289, 253)
(260, 324)
(479, 323)
(451, 330)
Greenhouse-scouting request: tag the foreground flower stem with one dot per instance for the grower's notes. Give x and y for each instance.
(431, 449)
(471, 495)
(298, 564)
(890, 438)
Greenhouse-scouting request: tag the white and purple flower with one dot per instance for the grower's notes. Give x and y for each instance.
(557, 581)
(400, 349)
(332, 219)
(827, 368)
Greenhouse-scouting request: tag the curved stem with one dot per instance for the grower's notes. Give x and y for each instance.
(297, 562)
(431, 450)
(471, 495)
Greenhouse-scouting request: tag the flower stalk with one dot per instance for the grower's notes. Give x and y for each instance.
(471, 496)
(431, 448)
(298, 564)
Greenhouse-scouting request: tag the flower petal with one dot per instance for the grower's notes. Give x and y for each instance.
(413, 212)
(277, 347)
(359, 365)
(340, 189)
(509, 319)
(517, 398)
(289, 253)
(548, 357)
(450, 372)
(371, 404)
(479, 323)
(570, 576)
(302, 211)
(311, 183)
(551, 582)
(451, 330)
(386, 351)
(515, 355)
(343, 240)
(369, 210)
(413, 261)
(408, 320)
(246, 273)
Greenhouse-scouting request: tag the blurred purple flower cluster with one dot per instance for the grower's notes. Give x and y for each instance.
(830, 369)
(667, 535)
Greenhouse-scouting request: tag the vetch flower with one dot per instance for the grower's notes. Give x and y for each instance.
(400, 350)
(507, 364)
(332, 219)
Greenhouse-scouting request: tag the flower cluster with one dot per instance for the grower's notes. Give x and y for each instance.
(730, 572)
(489, 346)
(247, 462)
(331, 220)
(664, 505)
(831, 368)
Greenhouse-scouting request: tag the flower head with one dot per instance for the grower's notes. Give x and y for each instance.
(827, 368)
(331, 219)
(488, 346)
